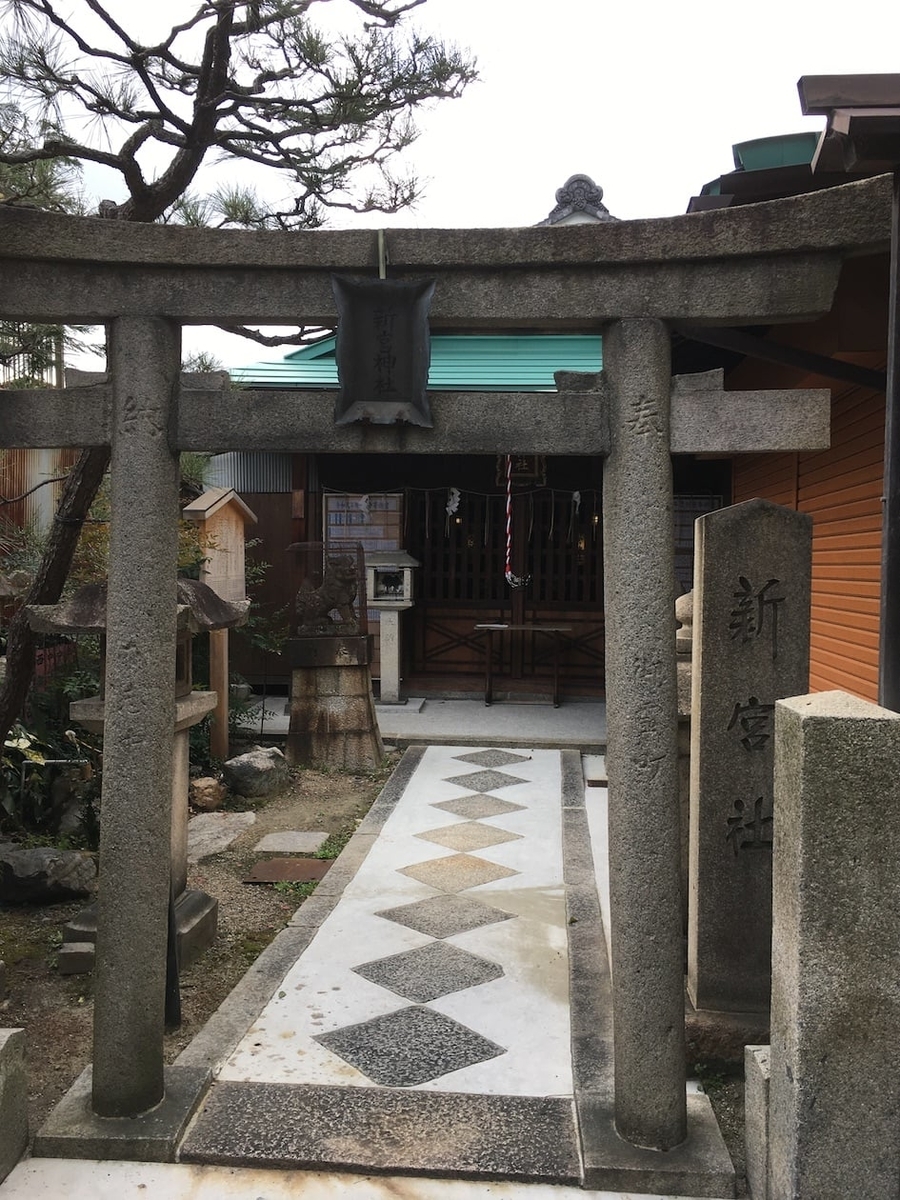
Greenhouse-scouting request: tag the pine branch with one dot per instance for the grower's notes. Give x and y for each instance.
(302, 337)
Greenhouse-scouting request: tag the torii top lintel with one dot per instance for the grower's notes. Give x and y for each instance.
(769, 262)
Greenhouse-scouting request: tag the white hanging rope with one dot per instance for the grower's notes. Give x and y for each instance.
(514, 581)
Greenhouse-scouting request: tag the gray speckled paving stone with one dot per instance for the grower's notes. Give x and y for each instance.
(468, 835)
(430, 971)
(484, 781)
(292, 841)
(409, 1046)
(492, 758)
(457, 872)
(445, 916)
(479, 805)
(372, 1129)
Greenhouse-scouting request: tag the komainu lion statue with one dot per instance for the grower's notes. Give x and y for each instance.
(336, 593)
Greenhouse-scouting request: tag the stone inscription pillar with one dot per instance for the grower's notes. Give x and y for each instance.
(834, 1091)
(644, 837)
(752, 568)
(140, 718)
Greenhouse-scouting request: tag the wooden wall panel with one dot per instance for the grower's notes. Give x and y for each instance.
(841, 488)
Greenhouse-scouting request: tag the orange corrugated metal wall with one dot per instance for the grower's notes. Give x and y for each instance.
(841, 488)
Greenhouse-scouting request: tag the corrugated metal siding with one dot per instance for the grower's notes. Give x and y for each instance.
(841, 488)
(22, 470)
(459, 362)
(252, 472)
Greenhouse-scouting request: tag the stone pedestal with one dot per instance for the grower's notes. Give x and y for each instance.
(333, 722)
(196, 913)
(13, 1099)
(834, 1089)
(390, 654)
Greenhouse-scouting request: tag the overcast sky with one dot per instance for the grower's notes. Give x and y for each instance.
(645, 96)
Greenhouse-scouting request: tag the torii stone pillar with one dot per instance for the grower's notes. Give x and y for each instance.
(642, 757)
(643, 416)
(135, 849)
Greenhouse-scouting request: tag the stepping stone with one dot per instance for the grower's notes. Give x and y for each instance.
(292, 841)
(288, 870)
(211, 833)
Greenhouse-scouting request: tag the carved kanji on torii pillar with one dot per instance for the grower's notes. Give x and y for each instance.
(629, 279)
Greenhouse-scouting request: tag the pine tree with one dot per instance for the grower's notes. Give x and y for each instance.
(252, 81)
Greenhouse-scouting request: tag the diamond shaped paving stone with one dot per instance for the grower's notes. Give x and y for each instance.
(445, 916)
(479, 805)
(492, 758)
(430, 971)
(468, 835)
(485, 781)
(457, 872)
(409, 1047)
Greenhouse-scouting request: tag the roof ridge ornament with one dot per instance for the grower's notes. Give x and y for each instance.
(579, 199)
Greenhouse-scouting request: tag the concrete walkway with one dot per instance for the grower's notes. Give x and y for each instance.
(424, 1014)
(432, 721)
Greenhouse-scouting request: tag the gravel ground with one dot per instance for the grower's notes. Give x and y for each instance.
(727, 1098)
(56, 1011)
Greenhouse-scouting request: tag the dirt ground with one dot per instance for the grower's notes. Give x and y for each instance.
(56, 1011)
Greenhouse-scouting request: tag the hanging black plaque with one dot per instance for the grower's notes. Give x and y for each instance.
(383, 350)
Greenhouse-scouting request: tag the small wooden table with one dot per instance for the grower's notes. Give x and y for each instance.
(499, 627)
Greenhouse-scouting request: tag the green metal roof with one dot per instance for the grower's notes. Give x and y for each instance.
(781, 150)
(767, 154)
(513, 362)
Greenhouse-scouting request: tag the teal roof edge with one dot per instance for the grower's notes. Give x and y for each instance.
(459, 362)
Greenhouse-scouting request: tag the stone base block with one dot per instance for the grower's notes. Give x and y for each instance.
(756, 1118)
(73, 1129)
(13, 1099)
(700, 1166)
(387, 1130)
(75, 958)
(82, 927)
(717, 1039)
(322, 650)
(196, 921)
(352, 752)
(333, 723)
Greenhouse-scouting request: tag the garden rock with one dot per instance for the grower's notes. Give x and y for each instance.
(207, 794)
(259, 772)
(44, 875)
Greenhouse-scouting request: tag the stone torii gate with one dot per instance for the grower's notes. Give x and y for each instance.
(759, 264)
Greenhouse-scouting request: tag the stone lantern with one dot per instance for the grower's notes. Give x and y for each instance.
(198, 609)
(389, 584)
